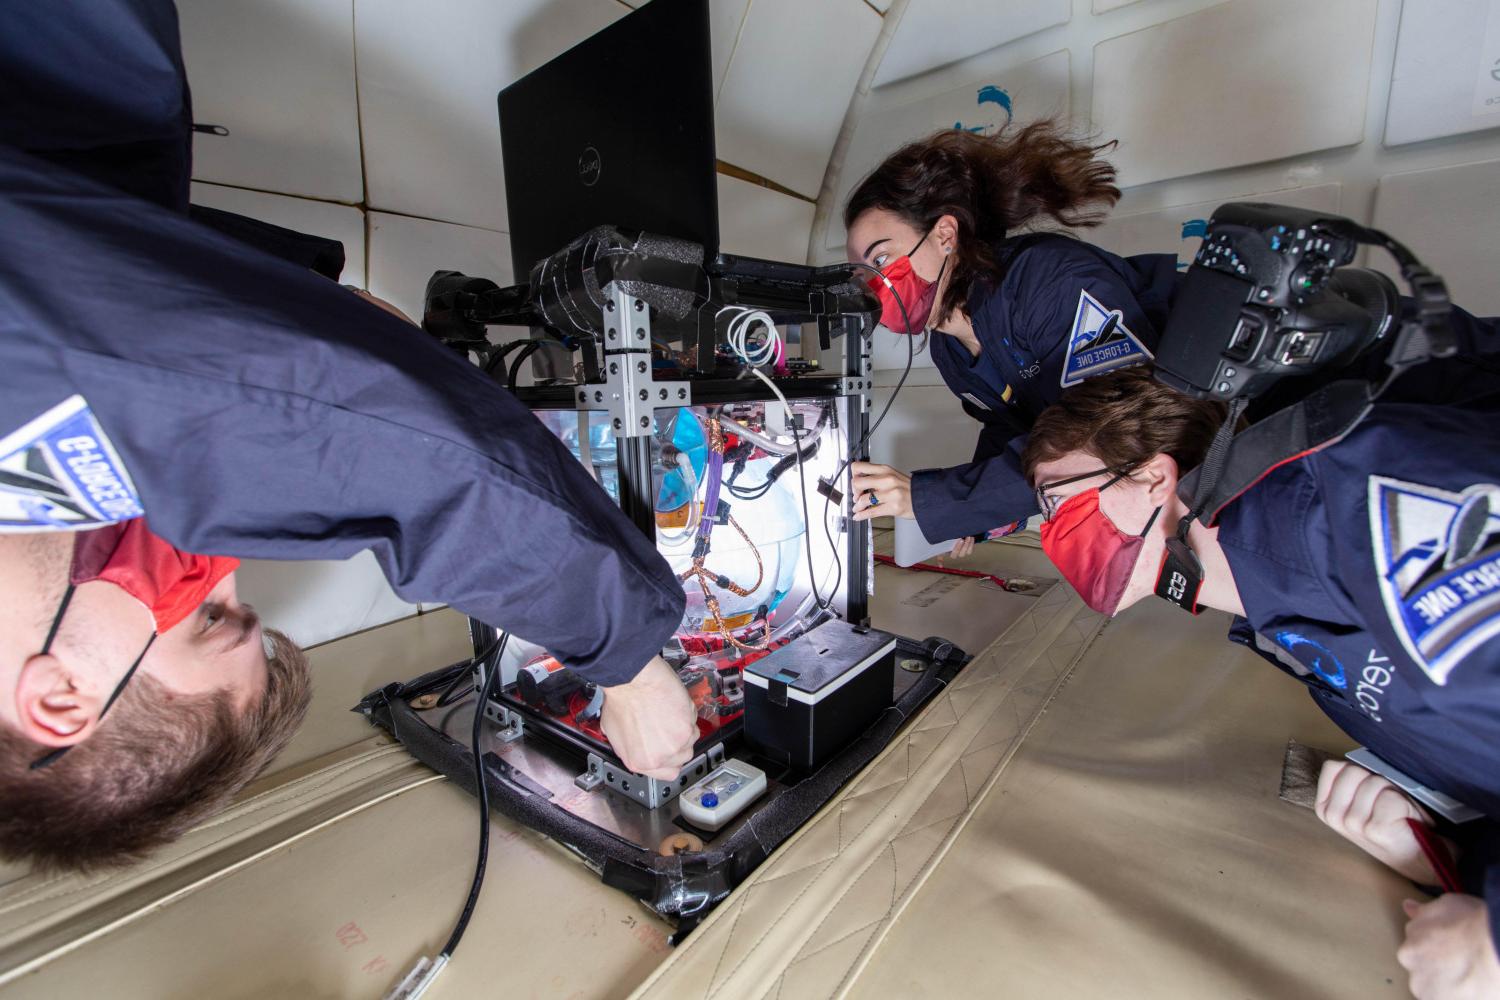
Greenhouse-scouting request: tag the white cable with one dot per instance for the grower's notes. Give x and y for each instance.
(738, 336)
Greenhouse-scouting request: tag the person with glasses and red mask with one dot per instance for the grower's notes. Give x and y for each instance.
(1369, 570)
(941, 228)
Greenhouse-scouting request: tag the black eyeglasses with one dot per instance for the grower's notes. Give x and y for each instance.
(1049, 504)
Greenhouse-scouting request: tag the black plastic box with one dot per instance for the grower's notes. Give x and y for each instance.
(812, 697)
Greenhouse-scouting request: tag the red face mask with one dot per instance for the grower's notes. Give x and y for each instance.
(169, 582)
(1096, 557)
(916, 293)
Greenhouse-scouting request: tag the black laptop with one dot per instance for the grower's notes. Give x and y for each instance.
(619, 130)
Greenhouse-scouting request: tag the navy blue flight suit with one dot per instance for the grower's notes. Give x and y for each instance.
(245, 404)
(1370, 571)
(1025, 324)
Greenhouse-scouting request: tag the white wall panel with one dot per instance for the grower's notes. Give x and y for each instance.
(317, 218)
(934, 33)
(876, 135)
(725, 18)
(279, 75)
(1447, 75)
(429, 74)
(405, 251)
(322, 599)
(1101, 6)
(1450, 218)
(788, 86)
(979, 96)
(1243, 82)
(758, 222)
(1178, 229)
(927, 429)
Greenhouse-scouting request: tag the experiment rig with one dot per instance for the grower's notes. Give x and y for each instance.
(670, 380)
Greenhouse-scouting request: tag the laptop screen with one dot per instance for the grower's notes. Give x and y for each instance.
(619, 131)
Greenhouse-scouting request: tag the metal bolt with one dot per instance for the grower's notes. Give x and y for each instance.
(644, 394)
(640, 366)
(598, 396)
(618, 423)
(611, 333)
(614, 369)
(583, 397)
(640, 333)
(639, 305)
(662, 394)
(682, 394)
(609, 305)
(645, 421)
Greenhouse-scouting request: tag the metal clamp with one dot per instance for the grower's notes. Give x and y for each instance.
(649, 792)
(630, 392)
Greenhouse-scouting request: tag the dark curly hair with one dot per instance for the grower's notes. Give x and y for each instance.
(992, 185)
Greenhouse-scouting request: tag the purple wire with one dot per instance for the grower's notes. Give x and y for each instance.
(715, 474)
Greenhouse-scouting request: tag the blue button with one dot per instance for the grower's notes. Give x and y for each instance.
(709, 800)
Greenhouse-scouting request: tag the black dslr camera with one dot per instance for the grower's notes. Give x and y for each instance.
(1270, 294)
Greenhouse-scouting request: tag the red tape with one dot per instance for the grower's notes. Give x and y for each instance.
(934, 568)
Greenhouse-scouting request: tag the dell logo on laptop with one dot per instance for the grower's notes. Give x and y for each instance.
(589, 166)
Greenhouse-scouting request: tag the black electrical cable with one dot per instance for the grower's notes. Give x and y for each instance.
(453, 685)
(864, 440)
(515, 366)
(498, 354)
(492, 671)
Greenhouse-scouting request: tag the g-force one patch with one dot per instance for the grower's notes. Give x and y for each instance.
(1437, 561)
(1100, 342)
(60, 472)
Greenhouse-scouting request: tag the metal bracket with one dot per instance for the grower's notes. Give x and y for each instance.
(649, 792)
(630, 392)
(856, 386)
(512, 724)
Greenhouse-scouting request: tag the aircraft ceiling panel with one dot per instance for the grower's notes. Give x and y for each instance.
(1447, 75)
(755, 221)
(279, 75)
(1297, 83)
(790, 79)
(976, 97)
(428, 77)
(933, 33)
(1449, 218)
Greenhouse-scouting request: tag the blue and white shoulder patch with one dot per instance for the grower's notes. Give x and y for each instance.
(1099, 342)
(60, 472)
(1437, 560)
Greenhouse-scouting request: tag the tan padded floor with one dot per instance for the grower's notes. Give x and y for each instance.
(1133, 846)
(1083, 813)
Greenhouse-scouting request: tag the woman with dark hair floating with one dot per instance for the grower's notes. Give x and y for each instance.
(1020, 315)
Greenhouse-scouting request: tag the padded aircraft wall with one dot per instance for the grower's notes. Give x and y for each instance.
(1385, 111)
(374, 121)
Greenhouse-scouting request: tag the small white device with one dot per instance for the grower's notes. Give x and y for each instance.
(723, 795)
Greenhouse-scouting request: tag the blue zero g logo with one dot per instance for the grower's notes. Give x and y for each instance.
(991, 94)
(1315, 657)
